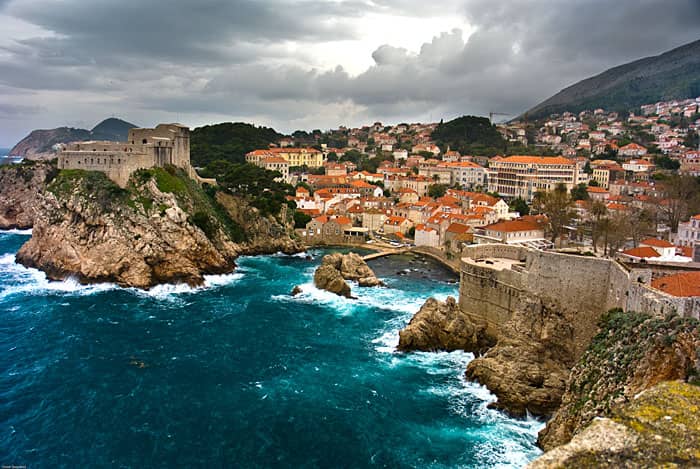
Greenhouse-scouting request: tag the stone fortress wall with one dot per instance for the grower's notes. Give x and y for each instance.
(166, 144)
(497, 280)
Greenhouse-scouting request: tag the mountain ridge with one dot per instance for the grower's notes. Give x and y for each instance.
(674, 74)
(39, 143)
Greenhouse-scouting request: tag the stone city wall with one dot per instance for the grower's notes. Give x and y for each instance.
(580, 287)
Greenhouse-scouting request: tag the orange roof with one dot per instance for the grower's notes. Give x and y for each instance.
(422, 227)
(458, 228)
(685, 284)
(641, 252)
(274, 159)
(616, 207)
(302, 189)
(686, 251)
(480, 197)
(512, 226)
(696, 217)
(360, 184)
(537, 160)
(633, 146)
(659, 243)
(597, 190)
(394, 220)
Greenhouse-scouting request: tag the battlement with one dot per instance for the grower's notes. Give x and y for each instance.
(166, 144)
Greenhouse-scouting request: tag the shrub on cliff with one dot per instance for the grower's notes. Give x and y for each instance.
(93, 184)
(631, 353)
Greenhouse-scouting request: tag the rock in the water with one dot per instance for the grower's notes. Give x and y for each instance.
(659, 427)
(296, 290)
(328, 278)
(443, 326)
(369, 282)
(336, 268)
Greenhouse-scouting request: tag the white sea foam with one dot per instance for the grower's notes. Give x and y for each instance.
(16, 232)
(25, 280)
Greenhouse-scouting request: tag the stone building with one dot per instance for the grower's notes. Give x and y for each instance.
(522, 176)
(167, 144)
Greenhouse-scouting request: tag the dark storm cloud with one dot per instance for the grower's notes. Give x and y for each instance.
(230, 58)
(179, 31)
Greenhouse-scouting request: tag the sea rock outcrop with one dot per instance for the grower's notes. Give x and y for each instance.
(528, 368)
(162, 229)
(336, 268)
(443, 326)
(659, 427)
(632, 352)
(20, 186)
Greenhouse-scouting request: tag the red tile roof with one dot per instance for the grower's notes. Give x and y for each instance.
(685, 284)
(641, 252)
(458, 228)
(560, 160)
(659, 243)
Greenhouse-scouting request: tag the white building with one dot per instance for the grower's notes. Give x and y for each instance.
(689, 232)
(522, 176)
(426, 236)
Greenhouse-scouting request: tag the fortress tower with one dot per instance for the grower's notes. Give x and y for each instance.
(167, 144)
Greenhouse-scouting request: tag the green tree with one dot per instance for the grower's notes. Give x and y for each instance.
(519, 205)
(558, 205)
(437, 190)
(579, 192)
(681, 198)
(598, 211)
(301, 219)
(665, 162)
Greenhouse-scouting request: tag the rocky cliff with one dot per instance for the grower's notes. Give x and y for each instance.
(336, 268)
(659, 427)
(632, 352)
(443, 326)
(528, 367)
(20, 186)
(162, 229)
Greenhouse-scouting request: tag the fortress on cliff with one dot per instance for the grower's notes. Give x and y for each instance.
(167, 144)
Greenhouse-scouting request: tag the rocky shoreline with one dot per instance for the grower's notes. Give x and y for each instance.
(162, 229)
(533, 368)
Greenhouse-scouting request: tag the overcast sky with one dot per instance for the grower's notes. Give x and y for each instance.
(305, 64)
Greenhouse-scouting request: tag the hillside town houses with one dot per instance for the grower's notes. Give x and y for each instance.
(420, 193)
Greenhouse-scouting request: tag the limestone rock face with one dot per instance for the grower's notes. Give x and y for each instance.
(264, 235)
(329, 278)
(633, 352)
(527, 369)
(88, 228)
(336, 268)
(443, 326)
(20, 186)
(659, 427)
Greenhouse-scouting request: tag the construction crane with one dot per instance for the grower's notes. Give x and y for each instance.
(492, 113)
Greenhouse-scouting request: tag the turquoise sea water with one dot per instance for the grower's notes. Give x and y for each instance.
(237, 374)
